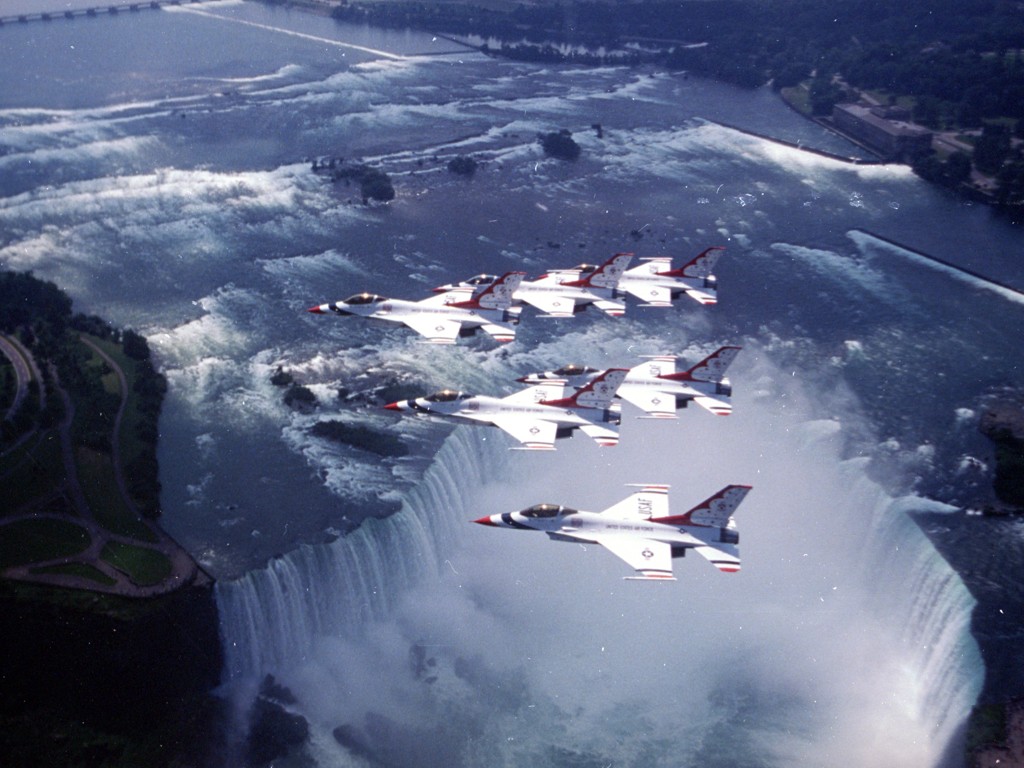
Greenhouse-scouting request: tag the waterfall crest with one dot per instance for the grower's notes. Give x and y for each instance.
(270, 617)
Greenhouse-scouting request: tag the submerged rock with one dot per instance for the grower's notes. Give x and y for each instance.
(273, 731)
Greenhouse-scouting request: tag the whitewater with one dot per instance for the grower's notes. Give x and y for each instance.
(175, 195)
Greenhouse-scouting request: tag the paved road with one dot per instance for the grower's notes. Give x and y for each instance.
(19, 357)
(184, 570)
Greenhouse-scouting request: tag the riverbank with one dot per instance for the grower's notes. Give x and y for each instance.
(111, 633)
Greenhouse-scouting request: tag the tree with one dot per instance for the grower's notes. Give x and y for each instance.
(560, 144)
(374, 184)
(928, 112)
(134, 345)
(958, 168)
(462, 166)
(991, 149)
(824, 95)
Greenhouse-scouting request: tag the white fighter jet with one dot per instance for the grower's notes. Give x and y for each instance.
(641, 531)
(537, 415)
(656, 284)
(564, 293)
(447, 316)
(655, 386)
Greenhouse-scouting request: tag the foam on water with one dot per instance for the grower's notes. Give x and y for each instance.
(867, 242)
(856, 277)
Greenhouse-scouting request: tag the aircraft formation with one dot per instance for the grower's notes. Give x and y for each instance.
(557, 403)
(493, 303)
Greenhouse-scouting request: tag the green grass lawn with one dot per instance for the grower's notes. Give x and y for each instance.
(96, 476)
(31, 471)
(798, 97)
(84, 570)
(131, 446)
(143, 565)
(34, 540)
(7, 384)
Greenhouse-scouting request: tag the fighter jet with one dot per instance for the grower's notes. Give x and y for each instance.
(447, 316)
(655, 386)
(564, 293)
(641, 531)
(656, 284)
(535, 416)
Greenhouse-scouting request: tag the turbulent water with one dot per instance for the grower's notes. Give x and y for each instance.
(156, 166)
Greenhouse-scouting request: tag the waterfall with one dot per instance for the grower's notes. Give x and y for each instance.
(270, 617)
(846, 639)
(943, 663)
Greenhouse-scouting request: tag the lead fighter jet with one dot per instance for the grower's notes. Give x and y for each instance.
(535, 416)
(641, 531)
(657, 388)
(445, 317)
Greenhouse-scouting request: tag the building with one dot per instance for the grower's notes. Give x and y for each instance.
(885, 130)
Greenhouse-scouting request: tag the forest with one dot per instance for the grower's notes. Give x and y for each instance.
(41, 316)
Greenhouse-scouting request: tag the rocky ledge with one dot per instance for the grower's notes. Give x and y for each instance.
(1003, 424)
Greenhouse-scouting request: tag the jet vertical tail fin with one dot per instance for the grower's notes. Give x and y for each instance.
(497, 295)
(699, 266)
(607, 275)
(714, 512)
(598, 393)
(651, 501)
(711, 369)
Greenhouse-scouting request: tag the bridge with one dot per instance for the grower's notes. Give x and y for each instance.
(98, 10)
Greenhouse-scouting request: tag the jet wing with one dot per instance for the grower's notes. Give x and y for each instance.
(657, 405)
(445, 298)
(606, 436)
(651, 559)
(717, 407)
(705, 297)
(610, 307)
(552, 389)
(552, 305)
(725, 557)
(534, 434)
(650, 295)
(500, 331)
(438, 330)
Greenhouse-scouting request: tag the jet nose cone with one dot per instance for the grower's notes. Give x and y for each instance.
(318, 310)
(393, 406)
(485, 521)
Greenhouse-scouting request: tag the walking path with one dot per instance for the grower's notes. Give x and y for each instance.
(24, 370)
(183, 569)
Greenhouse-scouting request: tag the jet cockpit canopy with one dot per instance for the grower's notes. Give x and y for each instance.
(573, 369)
(446, 396)
(364, 298)
(482, 280)
(546, 510)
